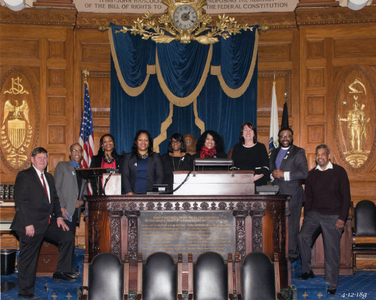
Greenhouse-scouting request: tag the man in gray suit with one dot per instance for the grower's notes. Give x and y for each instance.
(71, 187)
(288, 166)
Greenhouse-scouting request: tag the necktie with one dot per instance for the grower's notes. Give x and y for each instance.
(45, 189)
(44, 186)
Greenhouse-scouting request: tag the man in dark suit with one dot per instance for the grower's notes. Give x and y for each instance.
(288, 166)
(38, 217)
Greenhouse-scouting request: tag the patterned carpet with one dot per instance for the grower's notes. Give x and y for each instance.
(362, 285)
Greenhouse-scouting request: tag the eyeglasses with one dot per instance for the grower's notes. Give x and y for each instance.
(287, 136)
(75, 150)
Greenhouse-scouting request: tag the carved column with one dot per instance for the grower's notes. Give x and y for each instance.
(279, 228)
(257, 213)
(115, 229)
(95, 219)
(132, 218)
(240, 232)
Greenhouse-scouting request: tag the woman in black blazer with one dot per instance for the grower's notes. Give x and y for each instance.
(107, 157)
(142, 167)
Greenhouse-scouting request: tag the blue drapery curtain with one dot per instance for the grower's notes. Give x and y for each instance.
(186, 88)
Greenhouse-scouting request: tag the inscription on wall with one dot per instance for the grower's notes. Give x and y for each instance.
(189, 232)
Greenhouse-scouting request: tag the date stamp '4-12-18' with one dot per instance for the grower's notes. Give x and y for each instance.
(360, 295)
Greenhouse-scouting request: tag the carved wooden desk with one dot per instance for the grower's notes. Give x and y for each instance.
(112, 223)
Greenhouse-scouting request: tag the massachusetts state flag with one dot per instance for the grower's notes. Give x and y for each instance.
(86, 139)
(273, 135)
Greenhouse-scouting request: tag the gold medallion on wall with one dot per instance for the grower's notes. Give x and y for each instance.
(18, 118)
(355, 118)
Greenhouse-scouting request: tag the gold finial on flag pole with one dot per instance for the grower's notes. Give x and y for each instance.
(86, 73)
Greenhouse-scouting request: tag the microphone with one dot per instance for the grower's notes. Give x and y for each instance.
(106, 181)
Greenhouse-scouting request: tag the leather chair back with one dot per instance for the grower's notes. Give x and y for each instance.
(159, 277)
(257, 277)
(106, 277)
(210, 277)
(365, 218)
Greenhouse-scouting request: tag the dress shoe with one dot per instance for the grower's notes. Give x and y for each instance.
(307, 275)
(72, 275)
(28, 296)
(331, 291)
(75, 271)
(58, 276)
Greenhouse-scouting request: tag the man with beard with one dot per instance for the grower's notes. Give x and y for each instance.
(288, 166)
(328, 199)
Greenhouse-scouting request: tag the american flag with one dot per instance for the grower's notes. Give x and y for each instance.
(273, 135)
(86, 139)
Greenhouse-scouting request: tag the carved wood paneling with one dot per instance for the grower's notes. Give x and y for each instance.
(56, 49)
(315, 49)
(19, 47)
(56, 134)
(268, 52)
(56, 78)
(96, 52)
(56, 106)
(315, 77)
(316, 134)
(40, 16)
(315, 105)
(354, 47)
(347, 55)
(264, 90)
(54, 3)
(54, 159)
(335, 15)
(100, 90)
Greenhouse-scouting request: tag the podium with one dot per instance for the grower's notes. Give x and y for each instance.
(214, 183)
(111, 187)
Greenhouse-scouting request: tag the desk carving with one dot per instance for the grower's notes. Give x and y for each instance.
(259, 221)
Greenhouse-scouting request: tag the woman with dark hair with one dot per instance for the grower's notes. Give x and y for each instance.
(248, 154)
(142, 167)
(176, 159)
(107, 157)
(210, 145)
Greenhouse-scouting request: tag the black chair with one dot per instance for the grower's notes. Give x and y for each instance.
(108, 278)
(212, 277)
(257, 277)
(364, 232)
(159, 277)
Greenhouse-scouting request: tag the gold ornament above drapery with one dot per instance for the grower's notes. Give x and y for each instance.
(180, 28)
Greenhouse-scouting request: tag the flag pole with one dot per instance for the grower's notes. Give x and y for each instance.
(273, 132)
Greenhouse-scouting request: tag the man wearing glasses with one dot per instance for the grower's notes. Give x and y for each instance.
(288, 166)
(71, 188)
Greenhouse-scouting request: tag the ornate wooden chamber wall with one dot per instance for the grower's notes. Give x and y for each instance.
(316, 53)
(260, 222)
